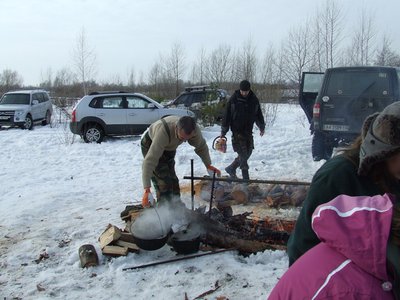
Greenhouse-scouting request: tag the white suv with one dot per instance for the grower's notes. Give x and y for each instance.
(24, 108)
(117, 113)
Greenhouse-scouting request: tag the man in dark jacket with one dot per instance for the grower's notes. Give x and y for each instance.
(242, 111)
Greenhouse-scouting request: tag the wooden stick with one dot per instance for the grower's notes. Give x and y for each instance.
(175, 259)
(211, 194)
(191, 182)
(248, 181)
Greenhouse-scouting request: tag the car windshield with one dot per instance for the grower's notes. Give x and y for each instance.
(15, 99)
(357, 83)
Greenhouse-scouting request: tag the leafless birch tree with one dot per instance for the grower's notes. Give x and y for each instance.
(10, 79)
(199, 68)
(327, 35)
(297, 53)
(176, 65)
(246, 62)
(84, 60)
(219, 64)
(361, 49)
(385, 56)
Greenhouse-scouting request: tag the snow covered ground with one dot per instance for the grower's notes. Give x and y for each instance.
(56, 196)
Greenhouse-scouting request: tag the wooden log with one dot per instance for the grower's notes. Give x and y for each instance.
(127, 237)
(115, 250)
(88, 256)
(111, 234)
(131, 246)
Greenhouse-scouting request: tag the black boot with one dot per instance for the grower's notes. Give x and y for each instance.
(245, 174)
(231, 169)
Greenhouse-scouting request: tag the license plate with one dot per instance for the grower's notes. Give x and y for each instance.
(4, 117)
(336, 127)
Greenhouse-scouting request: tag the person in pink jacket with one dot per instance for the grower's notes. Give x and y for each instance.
(350, 262)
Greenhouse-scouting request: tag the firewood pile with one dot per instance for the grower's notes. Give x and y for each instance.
(116, 242)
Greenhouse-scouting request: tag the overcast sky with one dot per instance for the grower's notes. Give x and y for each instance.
(39, 35)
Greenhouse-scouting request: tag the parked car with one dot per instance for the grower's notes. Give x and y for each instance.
(204, 101)
(101, 114)
(337, 102)
(24, 108)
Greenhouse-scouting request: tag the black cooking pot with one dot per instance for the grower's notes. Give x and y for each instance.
(150, 244)
(149, 233)
(185, 242)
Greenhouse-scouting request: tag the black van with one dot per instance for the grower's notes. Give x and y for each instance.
(337, 102)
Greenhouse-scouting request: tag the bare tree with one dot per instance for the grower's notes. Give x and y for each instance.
(199, 68)
(84, 61)
(63, 77)
(268, 68)
(360, 51)
(297, 53)
(155, 77)
(9, 80)
(131, 78)
(246, 62)
(385, 55)
(176, 65)
(47, 79)
(219, 64)
(327, 35)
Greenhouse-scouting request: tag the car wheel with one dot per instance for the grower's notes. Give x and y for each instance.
(47, 119)
(318, 146)
(93, 134)
(28, 124)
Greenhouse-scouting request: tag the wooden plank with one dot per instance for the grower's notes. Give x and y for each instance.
(111, 234)
(115, 250)
(131, 246)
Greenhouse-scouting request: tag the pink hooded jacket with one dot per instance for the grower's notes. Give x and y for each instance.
(350, 261)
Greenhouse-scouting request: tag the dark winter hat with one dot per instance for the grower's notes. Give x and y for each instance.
(244, 85)
(380, 137)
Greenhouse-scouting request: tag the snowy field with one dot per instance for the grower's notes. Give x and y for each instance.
(58, 193)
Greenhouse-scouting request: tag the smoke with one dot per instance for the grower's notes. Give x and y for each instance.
(168, 216)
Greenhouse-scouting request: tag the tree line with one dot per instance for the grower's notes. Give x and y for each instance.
(319, 42)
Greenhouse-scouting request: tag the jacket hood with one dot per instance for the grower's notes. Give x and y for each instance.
(358, 228)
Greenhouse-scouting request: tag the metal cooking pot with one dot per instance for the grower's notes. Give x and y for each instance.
(148, 230)
(185, 242)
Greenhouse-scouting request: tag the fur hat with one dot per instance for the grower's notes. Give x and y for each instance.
(244, 85)
(380, 137)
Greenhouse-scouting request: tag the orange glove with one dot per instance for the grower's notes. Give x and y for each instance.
(148, 199)
(211, 170)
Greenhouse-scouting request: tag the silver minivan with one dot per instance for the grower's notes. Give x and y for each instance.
(24, 108)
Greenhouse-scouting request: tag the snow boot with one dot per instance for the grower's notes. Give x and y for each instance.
(231, 169)
(245, 174)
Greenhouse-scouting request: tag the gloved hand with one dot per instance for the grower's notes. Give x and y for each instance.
(211, 169)
(148, 199)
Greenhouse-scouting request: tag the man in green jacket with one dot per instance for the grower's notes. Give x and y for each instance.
(159, 146)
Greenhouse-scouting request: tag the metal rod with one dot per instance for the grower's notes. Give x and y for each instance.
(192, 182)
(176, 259)
(212, 194)
(248, 181)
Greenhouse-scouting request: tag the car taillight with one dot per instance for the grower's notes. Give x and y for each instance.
(73, 116)
(316, 110)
